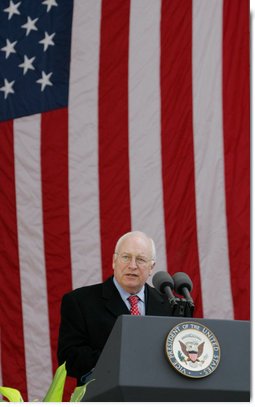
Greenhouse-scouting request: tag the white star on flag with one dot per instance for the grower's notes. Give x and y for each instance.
(9, 48)
(30, 25)
(49, 4)
(45, 80)
(47, 41)
(12, 9)
(7, 88)
(27, 64)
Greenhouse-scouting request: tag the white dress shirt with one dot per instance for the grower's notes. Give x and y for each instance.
(124, 295)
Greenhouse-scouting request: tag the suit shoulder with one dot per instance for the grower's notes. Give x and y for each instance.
(153, 291)
(81, 292)
(157, 295)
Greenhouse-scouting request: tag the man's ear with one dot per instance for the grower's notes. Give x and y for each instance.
(113, 260)
(152, 267)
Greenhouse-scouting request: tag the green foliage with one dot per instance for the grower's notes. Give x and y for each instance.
(55, 392)
(79, 392)
(12, 395)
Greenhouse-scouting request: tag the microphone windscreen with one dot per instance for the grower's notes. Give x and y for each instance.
(162, 279)
(182, 280)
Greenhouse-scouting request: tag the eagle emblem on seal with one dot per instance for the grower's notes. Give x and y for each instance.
(192, 350)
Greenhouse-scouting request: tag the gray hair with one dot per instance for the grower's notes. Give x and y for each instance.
(139, 234)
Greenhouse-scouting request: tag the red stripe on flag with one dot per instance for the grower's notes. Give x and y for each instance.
(177, 142)
(12, 336)
(55, 197)
(236, 125)
(113, 128)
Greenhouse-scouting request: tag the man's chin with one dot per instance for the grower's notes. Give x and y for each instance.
(131, 277)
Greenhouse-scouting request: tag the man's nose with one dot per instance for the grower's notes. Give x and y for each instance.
(132, 263)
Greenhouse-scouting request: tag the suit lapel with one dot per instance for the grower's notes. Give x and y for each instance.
(112, 299)
(154, 303)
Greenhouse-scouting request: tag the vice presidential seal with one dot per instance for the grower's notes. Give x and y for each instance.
(193, 349)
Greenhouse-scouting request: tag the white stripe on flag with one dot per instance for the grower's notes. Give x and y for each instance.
(209, 159)
(144, 124)
(83, 139)
(31, 254)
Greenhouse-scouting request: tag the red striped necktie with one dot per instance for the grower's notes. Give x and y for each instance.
(133, 299)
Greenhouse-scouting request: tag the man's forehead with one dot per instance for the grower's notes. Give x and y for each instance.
(137, 242)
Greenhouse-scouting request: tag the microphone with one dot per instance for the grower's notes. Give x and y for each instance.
(164, 283)
(183, 286)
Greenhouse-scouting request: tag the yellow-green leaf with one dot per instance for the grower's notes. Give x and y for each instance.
(12, 395)
(79, 392)
(55, 392)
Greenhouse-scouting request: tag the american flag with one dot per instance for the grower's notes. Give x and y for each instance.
(118, 115)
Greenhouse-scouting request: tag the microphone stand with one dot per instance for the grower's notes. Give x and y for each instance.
(180, 307)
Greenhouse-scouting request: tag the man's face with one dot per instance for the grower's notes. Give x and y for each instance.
(132, 265)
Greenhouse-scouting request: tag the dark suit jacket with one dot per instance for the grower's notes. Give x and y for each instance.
(87, 318)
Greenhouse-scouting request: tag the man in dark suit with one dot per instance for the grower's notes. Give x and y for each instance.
(88, 314)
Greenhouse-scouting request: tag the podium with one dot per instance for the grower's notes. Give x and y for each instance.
(134, 367)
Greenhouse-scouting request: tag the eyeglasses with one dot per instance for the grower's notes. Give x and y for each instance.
(140, 261)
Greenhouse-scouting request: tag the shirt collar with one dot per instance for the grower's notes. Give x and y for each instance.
(124, 294)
